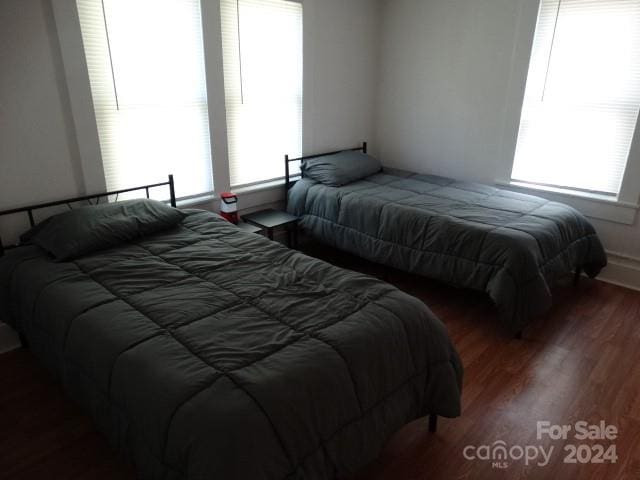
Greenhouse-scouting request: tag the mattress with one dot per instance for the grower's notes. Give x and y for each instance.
(208, 352)
(510, 245)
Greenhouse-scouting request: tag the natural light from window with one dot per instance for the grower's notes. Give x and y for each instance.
(146, 68)
(582, 95)
(262, 47)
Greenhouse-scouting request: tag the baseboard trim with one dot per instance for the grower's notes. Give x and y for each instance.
(8, 338)
(622, 270)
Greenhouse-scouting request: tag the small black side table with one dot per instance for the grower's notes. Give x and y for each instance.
(271, 219)
(244, 226)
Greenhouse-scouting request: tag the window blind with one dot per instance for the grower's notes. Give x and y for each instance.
(582, 95)
(146, 69)
(262, 52)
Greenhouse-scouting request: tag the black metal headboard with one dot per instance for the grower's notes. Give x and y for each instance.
(86, 198)
(290, 183)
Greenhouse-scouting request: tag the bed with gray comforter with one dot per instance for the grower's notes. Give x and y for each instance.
(509, 245)
(207, 352)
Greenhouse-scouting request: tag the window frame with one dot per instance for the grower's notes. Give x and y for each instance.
(619, 209)
(233, 66)
(82, 109)
(67, 21)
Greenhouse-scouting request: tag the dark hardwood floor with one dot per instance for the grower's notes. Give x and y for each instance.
(581, 361)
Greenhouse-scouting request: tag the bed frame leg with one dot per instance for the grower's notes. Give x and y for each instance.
(576, 276)
(518, 335)
(433, 423)
(23, 341)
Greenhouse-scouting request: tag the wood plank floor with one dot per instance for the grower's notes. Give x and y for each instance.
(581, 361)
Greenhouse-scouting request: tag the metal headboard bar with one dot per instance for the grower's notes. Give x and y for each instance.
(289, 183)
(86, 198)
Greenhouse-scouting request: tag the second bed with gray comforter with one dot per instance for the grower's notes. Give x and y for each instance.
(510, 245)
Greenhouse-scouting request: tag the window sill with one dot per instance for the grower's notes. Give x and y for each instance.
(596, 197)
(244, 192)
(258, 187)
(196, 200)
(593, 205)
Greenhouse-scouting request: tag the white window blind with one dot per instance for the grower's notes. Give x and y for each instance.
(262, 51)
(146, 69)
(582, 95)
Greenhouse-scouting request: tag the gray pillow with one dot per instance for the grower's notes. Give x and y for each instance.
(85, 230)
(340, 168)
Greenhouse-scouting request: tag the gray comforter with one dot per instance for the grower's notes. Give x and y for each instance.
(208, 352)
(510, 245)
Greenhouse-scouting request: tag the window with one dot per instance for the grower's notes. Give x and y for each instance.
(582, 95)
(146, 69)
(262, 51)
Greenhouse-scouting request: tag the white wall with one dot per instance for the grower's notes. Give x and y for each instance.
(452, 76)
(341, 39)
(444, 77)
(38, 154)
